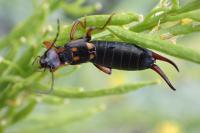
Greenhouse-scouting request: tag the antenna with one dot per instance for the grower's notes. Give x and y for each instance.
(51, 89)
(57, 35)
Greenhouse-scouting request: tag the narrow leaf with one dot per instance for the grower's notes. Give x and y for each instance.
(102, 92)
(148, 41)
(97, 21)
(24, 111)
(179, 29)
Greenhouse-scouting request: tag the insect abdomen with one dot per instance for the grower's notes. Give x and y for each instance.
(122, 56)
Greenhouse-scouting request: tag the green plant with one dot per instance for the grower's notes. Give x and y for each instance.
(17, 97)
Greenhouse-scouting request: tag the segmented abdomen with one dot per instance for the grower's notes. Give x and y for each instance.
(122, 56)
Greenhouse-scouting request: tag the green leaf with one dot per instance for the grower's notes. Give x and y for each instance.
(22, 113)
(193, 5)
(76, 9)
(194, 15)
(97, 21)
(122, 89)
(51, 121)
(147, 41)
(179, 30)
(32, 25)
(175, 4)
(168, 15)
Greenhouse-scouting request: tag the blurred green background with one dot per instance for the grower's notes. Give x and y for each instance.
(153, 109)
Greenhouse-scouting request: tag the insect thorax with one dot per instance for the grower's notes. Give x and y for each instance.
(78, 52)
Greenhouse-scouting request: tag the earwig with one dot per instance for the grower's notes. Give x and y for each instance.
(105, 55)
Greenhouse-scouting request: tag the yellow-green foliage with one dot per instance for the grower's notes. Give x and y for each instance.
(19, 79)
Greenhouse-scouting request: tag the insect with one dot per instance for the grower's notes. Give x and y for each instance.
(105, 55)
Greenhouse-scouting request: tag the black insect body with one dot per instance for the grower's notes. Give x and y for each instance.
(123, 56)
(110, 55)
(103, 54)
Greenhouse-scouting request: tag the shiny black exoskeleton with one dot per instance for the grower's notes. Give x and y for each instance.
(105, 55)
(123, 56)
(113, 55)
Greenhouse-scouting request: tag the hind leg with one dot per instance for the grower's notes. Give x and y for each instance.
(89, 30)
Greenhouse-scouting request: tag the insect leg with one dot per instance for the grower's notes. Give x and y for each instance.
(90, 29)
(108, 21)
(104, 69)
(74, 27)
